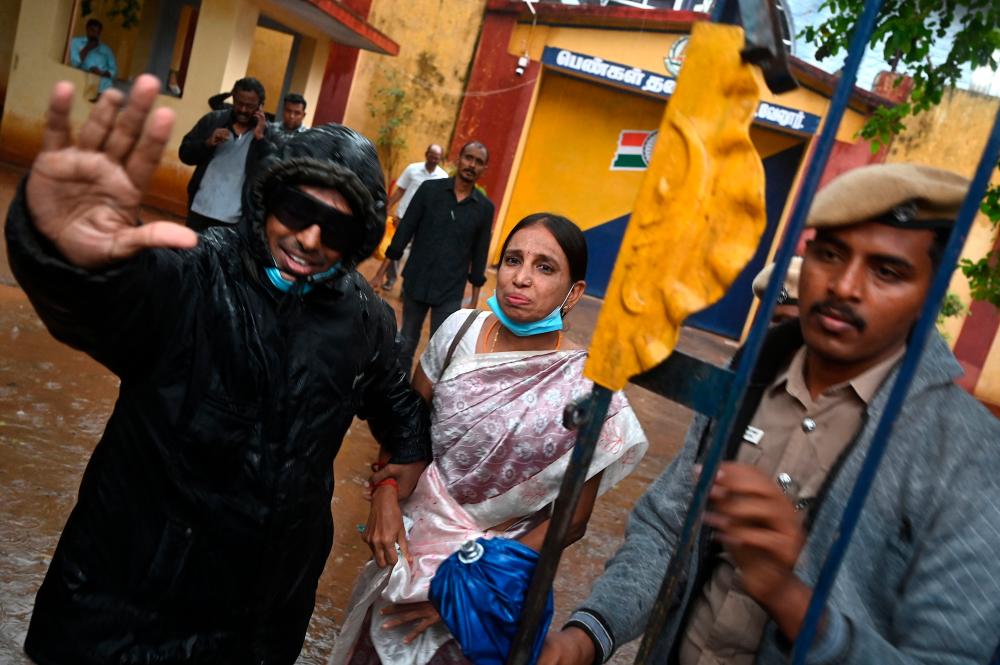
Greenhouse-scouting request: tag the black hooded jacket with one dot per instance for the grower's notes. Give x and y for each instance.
(203, 519)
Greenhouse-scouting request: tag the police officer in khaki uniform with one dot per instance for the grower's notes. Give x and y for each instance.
(920, 582)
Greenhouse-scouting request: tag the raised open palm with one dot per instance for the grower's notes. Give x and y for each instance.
(85, 197)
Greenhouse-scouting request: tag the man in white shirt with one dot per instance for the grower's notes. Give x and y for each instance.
(406, 186)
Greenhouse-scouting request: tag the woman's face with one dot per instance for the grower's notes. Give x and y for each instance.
(534, 278)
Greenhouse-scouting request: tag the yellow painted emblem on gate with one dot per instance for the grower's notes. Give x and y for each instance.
(699, 214)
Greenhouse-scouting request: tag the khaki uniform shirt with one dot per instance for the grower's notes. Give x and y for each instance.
(796, 440)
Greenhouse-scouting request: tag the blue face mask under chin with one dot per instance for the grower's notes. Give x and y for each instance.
(285, 285)
(551, 323)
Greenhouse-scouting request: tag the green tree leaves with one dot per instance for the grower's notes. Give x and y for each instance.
(905, 34)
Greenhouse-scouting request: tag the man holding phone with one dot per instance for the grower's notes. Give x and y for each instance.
(224, 147)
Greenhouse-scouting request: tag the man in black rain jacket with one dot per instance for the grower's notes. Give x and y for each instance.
(203, 518)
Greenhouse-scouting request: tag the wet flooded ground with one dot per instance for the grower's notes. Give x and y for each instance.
(53, 405)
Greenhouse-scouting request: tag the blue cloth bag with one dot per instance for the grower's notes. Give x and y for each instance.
(479, 591)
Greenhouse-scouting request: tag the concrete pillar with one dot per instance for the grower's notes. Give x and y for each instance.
(307, 73)
(222, 43)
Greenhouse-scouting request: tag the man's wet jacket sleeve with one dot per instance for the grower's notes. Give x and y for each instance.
(396, 414)
(120, 316)
(194, 150)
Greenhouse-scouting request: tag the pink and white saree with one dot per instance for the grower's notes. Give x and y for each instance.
(500, 452)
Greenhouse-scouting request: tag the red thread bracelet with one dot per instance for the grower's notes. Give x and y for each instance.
(386, 481)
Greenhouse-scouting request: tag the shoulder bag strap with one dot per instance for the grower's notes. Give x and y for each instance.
(458, 338)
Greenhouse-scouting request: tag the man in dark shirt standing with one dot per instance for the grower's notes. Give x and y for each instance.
(449, 221)
(224, 147)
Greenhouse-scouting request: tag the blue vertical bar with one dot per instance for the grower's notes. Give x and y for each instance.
(751, 350)
(530, 621)
(718, 11)
(928, 316)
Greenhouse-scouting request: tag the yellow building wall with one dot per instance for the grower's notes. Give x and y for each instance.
(9, 10)
(268, 63)
(573, 138)
(220, 55)
(243, 25)
(646, 50)
(310, 63)
(36, 63)
(437, 41)
(586, 119)
(307, 75)
(952, 136)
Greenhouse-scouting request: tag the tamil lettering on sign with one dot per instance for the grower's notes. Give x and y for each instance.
(610, 71)
(785, 117)
(646, 82)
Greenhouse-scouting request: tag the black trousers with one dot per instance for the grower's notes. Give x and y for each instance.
(414, 313)
(390, 273)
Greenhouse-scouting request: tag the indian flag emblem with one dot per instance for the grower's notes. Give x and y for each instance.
(635, 148)
(675, 57)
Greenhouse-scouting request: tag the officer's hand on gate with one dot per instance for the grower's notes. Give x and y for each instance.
(759, 527)
(385, 527)
(85, 197)
(569, 646)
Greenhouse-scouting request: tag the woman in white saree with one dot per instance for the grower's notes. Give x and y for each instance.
(497, 383)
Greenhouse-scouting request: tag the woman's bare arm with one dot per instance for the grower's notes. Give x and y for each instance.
(578, 526)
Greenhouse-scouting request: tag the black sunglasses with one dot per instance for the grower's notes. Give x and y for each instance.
(298, 211)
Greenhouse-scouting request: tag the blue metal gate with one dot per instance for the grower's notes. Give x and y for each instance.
(719, 392)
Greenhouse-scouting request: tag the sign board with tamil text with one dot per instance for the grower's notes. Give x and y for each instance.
(650, 83)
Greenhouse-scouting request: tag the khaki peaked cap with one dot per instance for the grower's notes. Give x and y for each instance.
(907, 196)
(791, 287)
